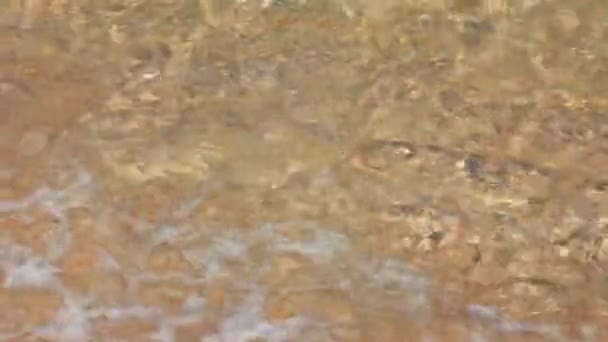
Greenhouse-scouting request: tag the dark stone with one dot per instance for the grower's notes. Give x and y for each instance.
(472, 167)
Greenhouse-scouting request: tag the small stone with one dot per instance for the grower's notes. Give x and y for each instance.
(449, 330)
(82, 222)
(165, 258)
(130, 329)
(215, 293)
(103, 287)
(6, 193)
(284, 267)
(516, 146)
(563, 251)
(459, 256)
(509, 85)
(81, 257)
(472, 167)
(119, 102)
(148, 97)
(583, 207)
(425, 245)
(7, 174)
(466, 5)
(487, 274)
(169, 295)
(381, 328)
(450, 100)
(567, 21)
(23, 309)
(196, 331)
(425, 21)
(602, 254)
(329, 306)
(33, 142)
(376, 161)
(38, 233)
(525, 264)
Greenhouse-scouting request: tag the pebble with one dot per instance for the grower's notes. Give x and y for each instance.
(33, 142)
(119, 102)
(472, 167)
(23, 308)
(330, 306)
(602, 254)
(167, 259)
(567, 21)
(124, 329)
(168, 295)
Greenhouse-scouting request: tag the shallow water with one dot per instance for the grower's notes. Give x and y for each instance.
(313, 171)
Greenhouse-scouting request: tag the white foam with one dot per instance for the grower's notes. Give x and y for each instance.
(34, 272)
(239, 255)
(502, 323)
(247, 324)
(71, 323)
(321, 245)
